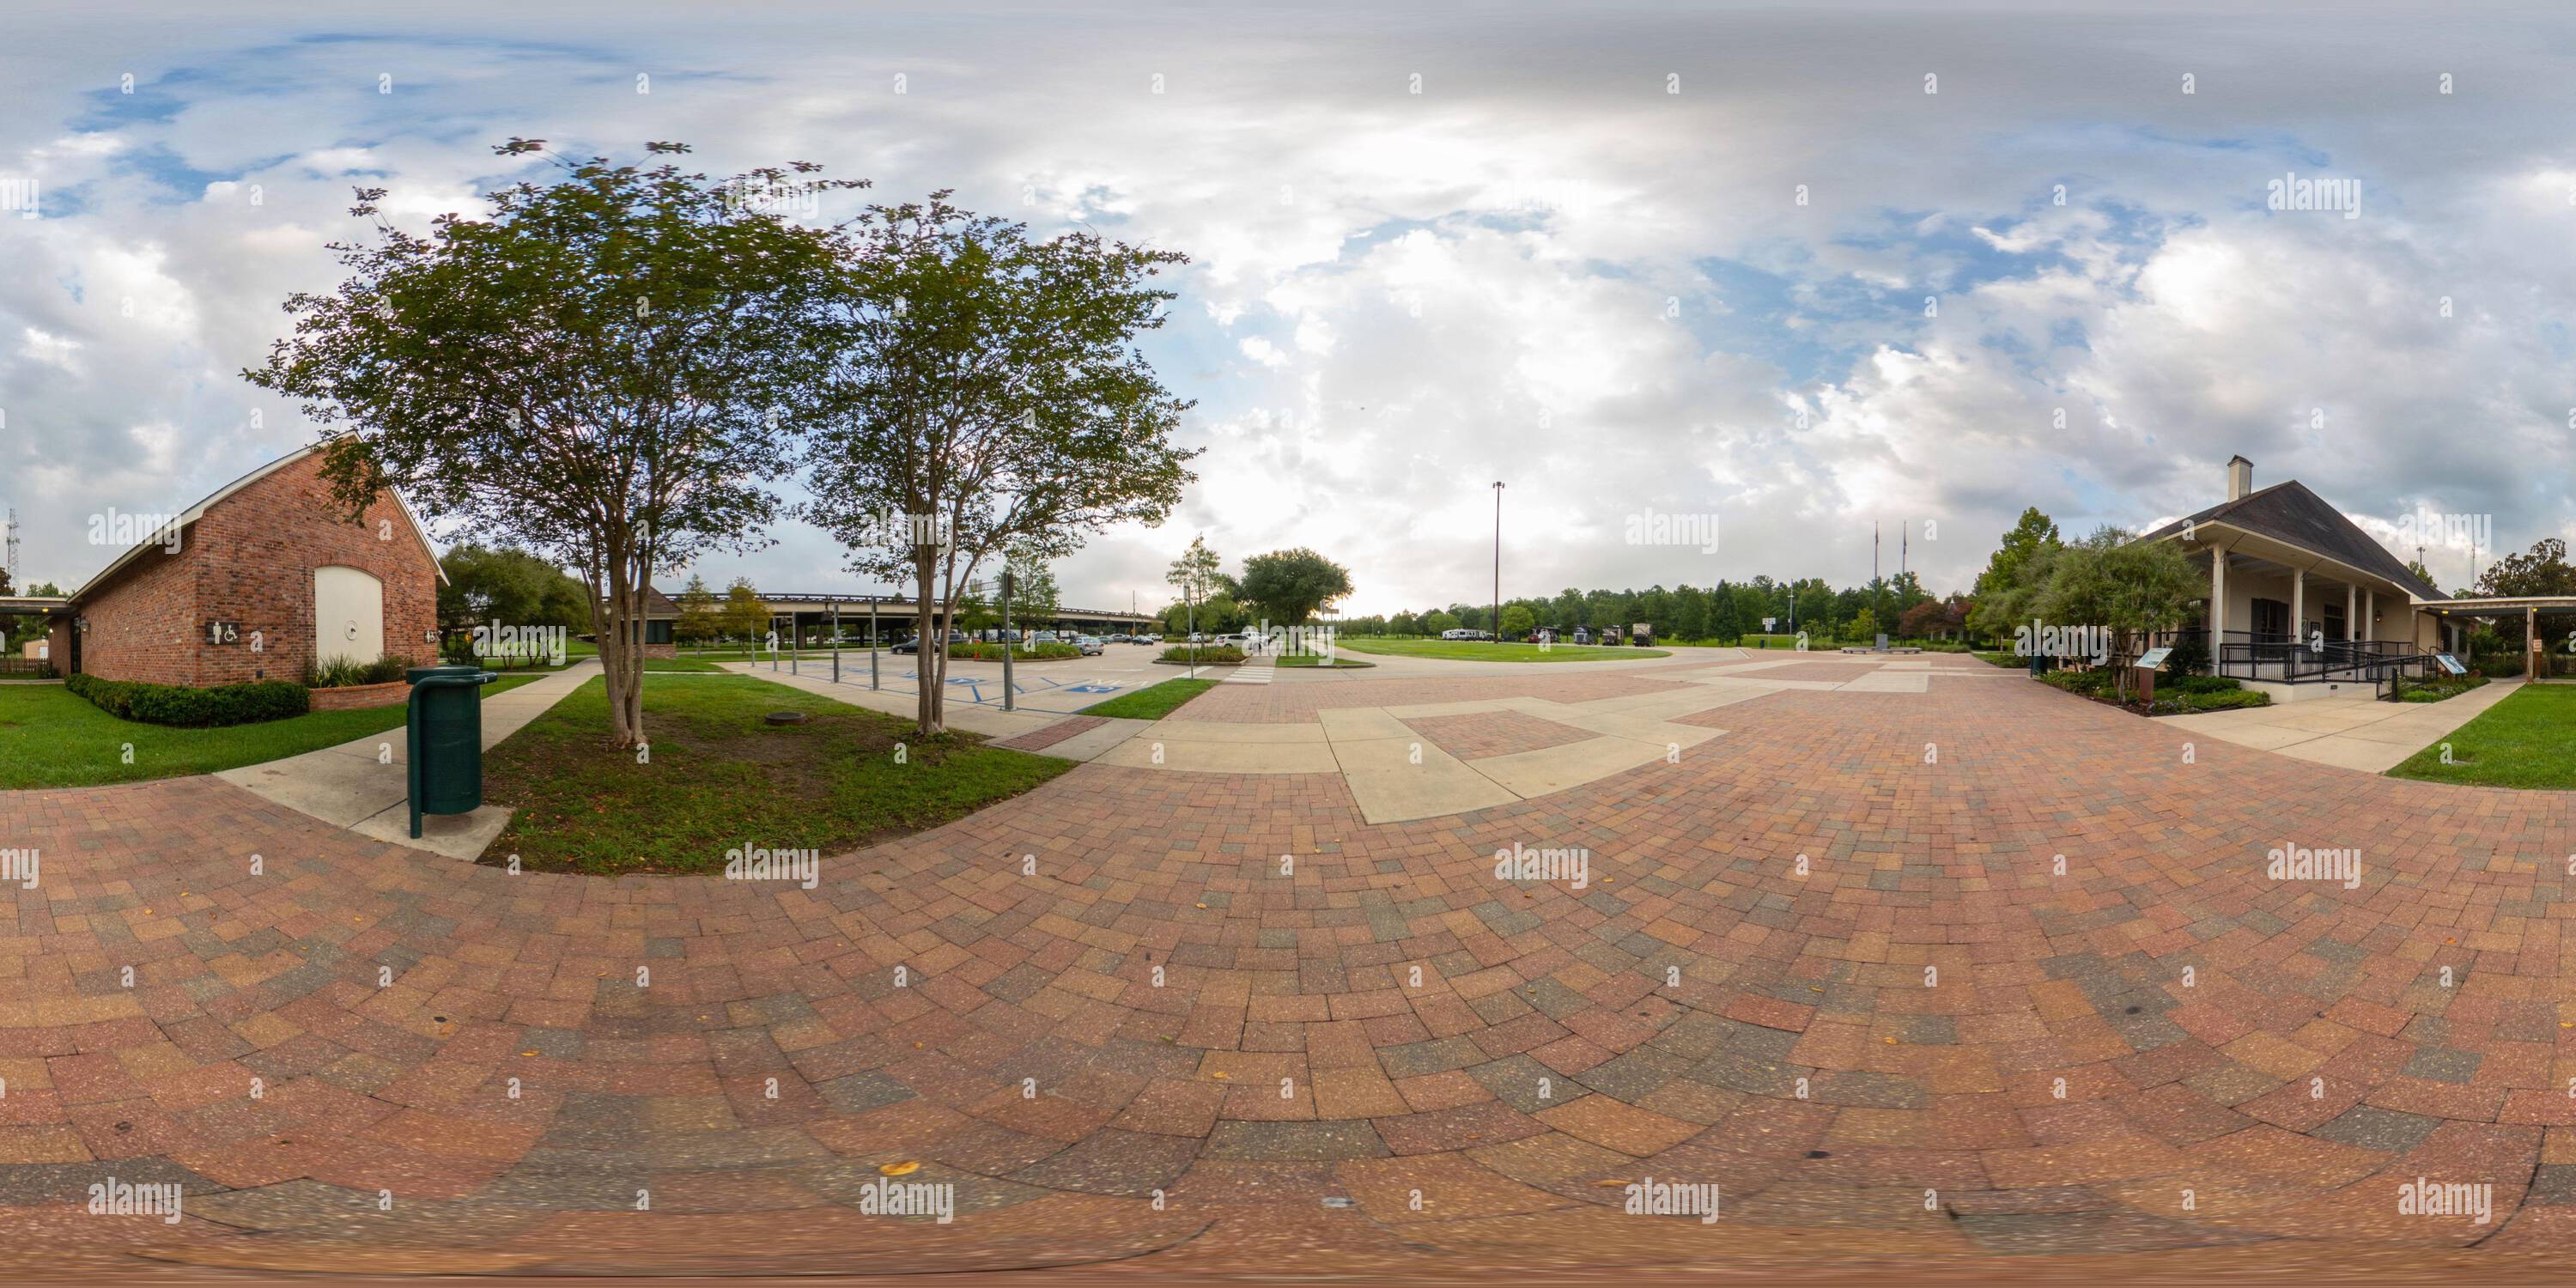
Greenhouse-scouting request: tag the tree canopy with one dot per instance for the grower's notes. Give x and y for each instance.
(983, 393)
(594, 369)
(1293, 585)
(510, 586)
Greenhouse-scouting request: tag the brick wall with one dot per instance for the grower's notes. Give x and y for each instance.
(356, 697)
(250, 560)
(143, 625)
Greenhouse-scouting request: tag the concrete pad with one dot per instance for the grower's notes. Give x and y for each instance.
(1219, 731)
(2331, 715)
(341, 790)
(1553, 769)
(1402, 795)
(1224, 757)
(1349, 724)
(2259, 736)
(2351, 753)
(1091, 744)
(2411, 733)
(458, 836)
(1390, 788)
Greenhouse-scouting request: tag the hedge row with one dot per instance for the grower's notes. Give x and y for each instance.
(171, 704)
(978, 651)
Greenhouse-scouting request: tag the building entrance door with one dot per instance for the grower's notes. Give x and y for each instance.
(348, 615)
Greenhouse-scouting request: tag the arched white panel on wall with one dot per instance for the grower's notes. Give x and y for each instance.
(348, 615)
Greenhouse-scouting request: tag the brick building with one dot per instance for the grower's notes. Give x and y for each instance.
(263, 579)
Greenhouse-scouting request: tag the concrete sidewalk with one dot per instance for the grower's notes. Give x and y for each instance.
(361, 785)
(2350, 733)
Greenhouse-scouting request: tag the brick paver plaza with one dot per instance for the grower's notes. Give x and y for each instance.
(2035, 992)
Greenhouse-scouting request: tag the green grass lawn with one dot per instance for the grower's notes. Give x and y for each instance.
(1153, 702)
(49, 738)
(2527, 740)
(721, 778)
(685, 664)
(1481, 651)
(1309, 659)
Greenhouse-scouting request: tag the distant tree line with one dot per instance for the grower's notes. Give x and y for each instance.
(1726, 612)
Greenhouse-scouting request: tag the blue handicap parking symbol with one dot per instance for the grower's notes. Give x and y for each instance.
(1091, 688)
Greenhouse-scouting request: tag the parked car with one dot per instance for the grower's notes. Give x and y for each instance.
(1089, 644)
(913, 645)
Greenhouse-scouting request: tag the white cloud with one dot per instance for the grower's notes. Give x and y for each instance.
(1397, 298)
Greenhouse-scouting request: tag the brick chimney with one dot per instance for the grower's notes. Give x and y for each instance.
(2240, 478)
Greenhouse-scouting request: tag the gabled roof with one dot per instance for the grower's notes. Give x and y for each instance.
(198, 511)
(2288, 512)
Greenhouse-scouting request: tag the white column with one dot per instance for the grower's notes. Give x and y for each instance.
(2299, 605)
(2351, 612)
(2217, 599)
(2370, 614)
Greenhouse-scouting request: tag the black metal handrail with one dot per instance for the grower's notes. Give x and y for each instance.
(2277, 655)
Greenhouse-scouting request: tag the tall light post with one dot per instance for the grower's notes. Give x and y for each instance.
(1498, 561)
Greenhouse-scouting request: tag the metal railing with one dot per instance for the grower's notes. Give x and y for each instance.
(2283, 658)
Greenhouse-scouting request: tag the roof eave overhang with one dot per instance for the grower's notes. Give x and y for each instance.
(2315, 559)
(198, 511)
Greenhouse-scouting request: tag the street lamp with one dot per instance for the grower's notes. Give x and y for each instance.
(1498, 561)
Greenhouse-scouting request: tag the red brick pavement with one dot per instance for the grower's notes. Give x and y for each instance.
(1934, 1047)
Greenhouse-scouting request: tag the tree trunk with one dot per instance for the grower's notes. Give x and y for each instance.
(622, 668)
(930, 670)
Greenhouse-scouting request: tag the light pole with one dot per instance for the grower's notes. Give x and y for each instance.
(1007, 704)
(1498, 561)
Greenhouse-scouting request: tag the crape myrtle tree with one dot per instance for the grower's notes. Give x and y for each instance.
(2114, 581)
(597, 369)
(982, 394)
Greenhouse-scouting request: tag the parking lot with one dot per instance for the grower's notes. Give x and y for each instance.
(1065, 685)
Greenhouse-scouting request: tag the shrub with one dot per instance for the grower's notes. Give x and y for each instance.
(2190, 657)
(171, 704)
(1208, 654)
(2088, 683)
(2180, 684)
(978, 651)
(2210, 701)
(345, 672)
(2498, 666)
(2449, 686)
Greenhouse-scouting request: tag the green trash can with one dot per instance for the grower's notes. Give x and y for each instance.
(443, 740)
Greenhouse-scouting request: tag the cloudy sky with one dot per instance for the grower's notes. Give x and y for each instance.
(1803, 268)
